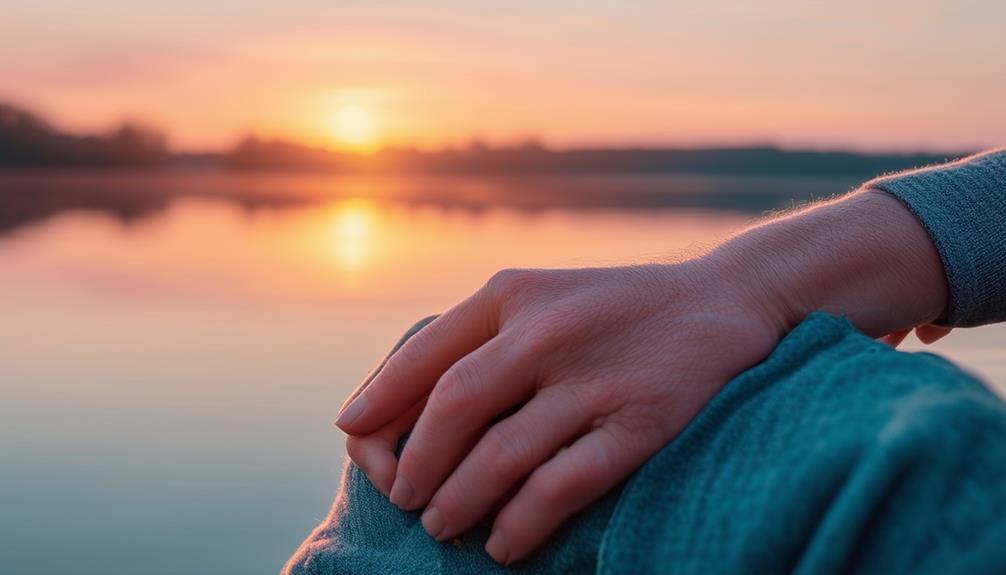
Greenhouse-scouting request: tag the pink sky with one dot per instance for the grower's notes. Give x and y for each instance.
(912, 75)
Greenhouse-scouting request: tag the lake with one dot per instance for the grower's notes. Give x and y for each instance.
(175, 346)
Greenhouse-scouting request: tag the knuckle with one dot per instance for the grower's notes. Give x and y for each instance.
(548, 327)
(586, 401)
(510, 452)
(558, 492)
(510, 282)
(354, 448)
(411, 353)
(410, 462)
(452, 502)
(502, 280)
(457, 387)
(602, 395)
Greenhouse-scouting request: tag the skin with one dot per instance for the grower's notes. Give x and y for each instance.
(546, 388)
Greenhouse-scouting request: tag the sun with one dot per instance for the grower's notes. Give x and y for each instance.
(354, 127)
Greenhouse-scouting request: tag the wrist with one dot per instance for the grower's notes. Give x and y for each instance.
(864, 256)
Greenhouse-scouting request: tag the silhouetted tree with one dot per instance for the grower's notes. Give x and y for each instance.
(27, 140)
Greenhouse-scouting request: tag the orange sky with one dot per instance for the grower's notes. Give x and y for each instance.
(913, 75)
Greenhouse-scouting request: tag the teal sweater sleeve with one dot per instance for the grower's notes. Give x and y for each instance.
(963, 207)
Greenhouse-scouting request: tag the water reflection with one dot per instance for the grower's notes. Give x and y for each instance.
(352, 232)
(27, 196)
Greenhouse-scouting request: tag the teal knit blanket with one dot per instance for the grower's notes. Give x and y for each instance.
(835, 454)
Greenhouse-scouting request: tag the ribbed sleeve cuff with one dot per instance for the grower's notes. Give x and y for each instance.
(963, 207)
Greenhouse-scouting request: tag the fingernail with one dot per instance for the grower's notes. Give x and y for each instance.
(433, 522)
(352, 411)
(496, 548)
(401, 492)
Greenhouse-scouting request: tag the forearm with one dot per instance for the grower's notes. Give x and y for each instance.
(962, 205)
(864, 256)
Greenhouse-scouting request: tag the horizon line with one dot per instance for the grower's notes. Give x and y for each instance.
(477, 142)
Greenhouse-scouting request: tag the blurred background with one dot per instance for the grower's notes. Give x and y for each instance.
(215, 217)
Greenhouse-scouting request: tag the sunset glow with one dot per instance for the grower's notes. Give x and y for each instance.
(662, 73)
(355, 128)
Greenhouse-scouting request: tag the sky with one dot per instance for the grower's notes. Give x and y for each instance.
(907, 75)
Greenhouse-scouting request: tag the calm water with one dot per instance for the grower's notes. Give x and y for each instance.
(170, 368)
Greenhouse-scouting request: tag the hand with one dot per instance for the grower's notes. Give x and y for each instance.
(597, 369)
(603, 366)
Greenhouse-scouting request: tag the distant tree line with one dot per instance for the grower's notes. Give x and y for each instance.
(27, 140)
(531, 157)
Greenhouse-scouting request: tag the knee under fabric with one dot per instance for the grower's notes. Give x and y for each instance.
(835, 454)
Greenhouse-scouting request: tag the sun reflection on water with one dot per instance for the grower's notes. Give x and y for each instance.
(352, 240)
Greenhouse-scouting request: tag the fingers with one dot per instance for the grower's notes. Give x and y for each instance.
(363, 385)
(930, 333)
(410, 374)
(570, 481)
(895, 338)
(474, 391)
(374, 454)
(927, 334)
(507, 453)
